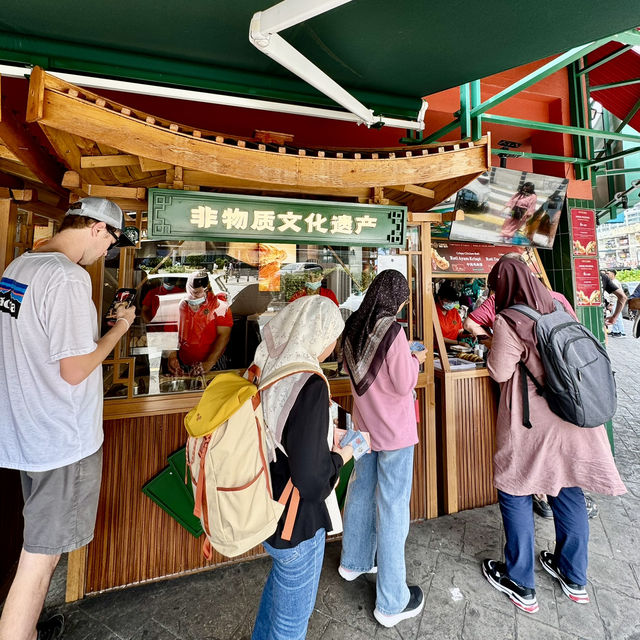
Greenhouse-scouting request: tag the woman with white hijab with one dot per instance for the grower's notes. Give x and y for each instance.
(296, 413)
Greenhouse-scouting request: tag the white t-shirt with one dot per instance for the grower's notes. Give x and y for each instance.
(46, 314)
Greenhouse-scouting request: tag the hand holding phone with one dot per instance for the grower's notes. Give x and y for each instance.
(123, 300)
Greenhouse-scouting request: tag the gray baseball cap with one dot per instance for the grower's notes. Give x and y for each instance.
(104, 210)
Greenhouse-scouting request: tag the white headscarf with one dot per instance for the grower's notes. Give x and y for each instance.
(292, 342)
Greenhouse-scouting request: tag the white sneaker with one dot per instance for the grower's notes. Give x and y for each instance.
(350, 575)
(413, 608)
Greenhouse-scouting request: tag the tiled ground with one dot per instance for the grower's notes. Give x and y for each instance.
(443, 556)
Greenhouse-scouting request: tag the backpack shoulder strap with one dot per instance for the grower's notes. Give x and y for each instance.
(526, 311)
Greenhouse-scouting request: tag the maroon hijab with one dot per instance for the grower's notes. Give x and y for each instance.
(514, 283)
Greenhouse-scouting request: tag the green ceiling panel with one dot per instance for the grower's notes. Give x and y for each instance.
(388, 53)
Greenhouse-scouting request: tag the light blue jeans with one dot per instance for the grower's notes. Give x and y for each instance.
(618, 325)
(376, 520)
(290, 592)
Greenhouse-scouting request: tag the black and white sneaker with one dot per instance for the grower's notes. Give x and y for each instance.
(576, 592)
(523, 597)
(413, 608)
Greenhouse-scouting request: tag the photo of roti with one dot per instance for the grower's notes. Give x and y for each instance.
(438, 262)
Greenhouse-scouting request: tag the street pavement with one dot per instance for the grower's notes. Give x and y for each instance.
(443, 557)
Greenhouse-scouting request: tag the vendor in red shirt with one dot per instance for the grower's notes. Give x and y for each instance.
(151, 303)
(450, 320)
(314, 286)
(204, 328)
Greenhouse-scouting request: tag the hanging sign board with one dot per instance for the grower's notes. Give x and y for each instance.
(192, 215)
(466, 257)
(587, 278)
(583, 226)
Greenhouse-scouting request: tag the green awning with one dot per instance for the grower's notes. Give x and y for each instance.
(388, 54)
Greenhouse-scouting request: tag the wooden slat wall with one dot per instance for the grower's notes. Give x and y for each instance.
(475, 416)
(135, 540)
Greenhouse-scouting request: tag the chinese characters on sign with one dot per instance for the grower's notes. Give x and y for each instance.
(189, 215)
(204, 217)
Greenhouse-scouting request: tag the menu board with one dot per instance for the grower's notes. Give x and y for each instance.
(583, 224)
(466, 257)
(587, 282)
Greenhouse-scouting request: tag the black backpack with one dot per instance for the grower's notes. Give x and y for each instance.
(579, 382)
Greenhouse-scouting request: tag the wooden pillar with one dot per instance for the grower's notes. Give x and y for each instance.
(8, 221)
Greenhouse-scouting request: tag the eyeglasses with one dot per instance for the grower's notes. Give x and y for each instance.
(114, 236)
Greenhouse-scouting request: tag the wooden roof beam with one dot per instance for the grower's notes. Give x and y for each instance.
(118, 160)
(17, 139)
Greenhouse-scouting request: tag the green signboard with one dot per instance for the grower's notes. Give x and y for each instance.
(192, 215)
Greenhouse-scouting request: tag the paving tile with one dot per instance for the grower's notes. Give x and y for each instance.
(530, 628)
(443, 617)
(484, 622)
(582, 620)
(620, 614)
(447, 534)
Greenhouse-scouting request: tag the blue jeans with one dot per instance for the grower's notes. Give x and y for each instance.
(572, 535)
(618, 325)
(290, 592)
(376, 519)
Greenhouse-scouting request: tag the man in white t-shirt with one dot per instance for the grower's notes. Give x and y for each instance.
(51, 400)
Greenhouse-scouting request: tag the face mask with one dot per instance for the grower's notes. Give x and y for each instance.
(196, 302)
(447, 306)
(314, 286)
(168, 287)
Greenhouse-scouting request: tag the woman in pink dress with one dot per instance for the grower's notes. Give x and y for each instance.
(553, 457)
(522, 205)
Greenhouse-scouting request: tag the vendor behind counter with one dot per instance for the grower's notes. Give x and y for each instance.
(448, 314)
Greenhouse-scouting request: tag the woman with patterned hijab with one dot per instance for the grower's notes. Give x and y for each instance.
(296, 413)
(383, 373)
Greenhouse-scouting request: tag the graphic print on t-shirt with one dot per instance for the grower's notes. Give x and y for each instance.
(11, 294)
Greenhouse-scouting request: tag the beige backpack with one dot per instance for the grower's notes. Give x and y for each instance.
(227, 457)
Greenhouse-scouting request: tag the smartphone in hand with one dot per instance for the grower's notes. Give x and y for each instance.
(124, 298)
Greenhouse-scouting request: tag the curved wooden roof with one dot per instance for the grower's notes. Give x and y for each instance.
(117, 151)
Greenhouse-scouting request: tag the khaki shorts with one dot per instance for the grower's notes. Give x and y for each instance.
(60, 506)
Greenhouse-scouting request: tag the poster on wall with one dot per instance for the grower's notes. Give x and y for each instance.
(465, 257)
(583, 225)
(587, 277)
(510, 207)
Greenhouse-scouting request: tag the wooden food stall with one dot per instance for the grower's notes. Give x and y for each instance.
(118, 152)
(466, 396)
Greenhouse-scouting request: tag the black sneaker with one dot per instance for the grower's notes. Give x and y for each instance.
(413, 608)
(52, 628)
(576, 592)
(592, 507)
(523, 597)
(541, 507)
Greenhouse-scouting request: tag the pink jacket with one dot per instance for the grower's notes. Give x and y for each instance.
(387, 408)
(552, 454)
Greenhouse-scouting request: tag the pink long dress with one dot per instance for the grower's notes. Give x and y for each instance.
(511, 225)
(552, 454)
